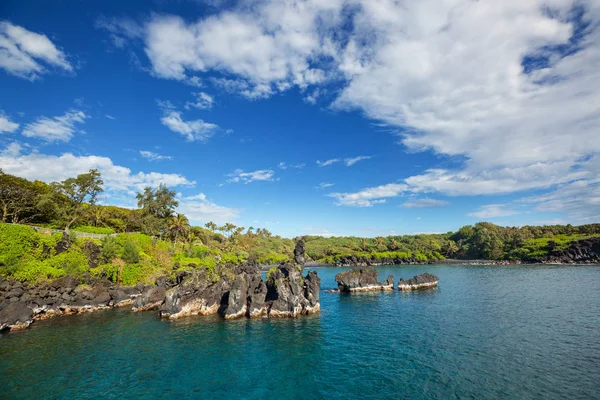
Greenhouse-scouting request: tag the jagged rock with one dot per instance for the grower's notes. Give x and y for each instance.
(578, 252)
(312, 287)
(15, 316)
(151, 298)
(299, 252)
(161, 282)
(92, 252)
(257, 306)
(247, 281)
(199, 294)
(285, 292)
(64, 244)
(362, 279)
(423, 281)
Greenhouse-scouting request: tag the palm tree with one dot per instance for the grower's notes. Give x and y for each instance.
(178, 226)
(98, 215)
(364, 244)
(211, 225)
(379, 241)
(394, 244)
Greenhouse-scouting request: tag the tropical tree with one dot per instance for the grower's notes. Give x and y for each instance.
(179, 226)
(211, 225)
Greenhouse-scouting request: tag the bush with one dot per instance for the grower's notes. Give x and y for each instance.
(110, 249)
(130, 254)
(94, 229)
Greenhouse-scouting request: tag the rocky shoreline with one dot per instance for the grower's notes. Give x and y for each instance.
(239, 293)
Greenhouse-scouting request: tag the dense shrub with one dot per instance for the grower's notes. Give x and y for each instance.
(94, 229)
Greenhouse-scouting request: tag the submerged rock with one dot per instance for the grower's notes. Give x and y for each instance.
(362, 279)
(423, 281)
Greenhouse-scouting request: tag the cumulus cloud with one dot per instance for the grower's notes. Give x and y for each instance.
(51, 168)
(510, 88)
(57, 129)
(424, 203)
(494, 211)
(6, 125)
(152, 156)
(240, 175)
(27, 54)
(201, 210)
(192, 130)
(203, 101)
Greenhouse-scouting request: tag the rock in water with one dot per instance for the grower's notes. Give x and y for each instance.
(198, 294)
(299, 252)
(362, 279)
(290, 294)
(245, 288)
(150, 299)
(422, 281)
(15, 316)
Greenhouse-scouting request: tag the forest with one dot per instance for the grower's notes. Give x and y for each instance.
(138, 245)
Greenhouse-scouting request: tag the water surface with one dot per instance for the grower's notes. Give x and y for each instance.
(486, 332)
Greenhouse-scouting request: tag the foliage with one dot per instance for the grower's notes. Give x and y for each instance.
(131, 253)
(85, 188)
(94, 229)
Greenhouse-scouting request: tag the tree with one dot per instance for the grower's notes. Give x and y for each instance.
(84, 188)
(157, 207)
(18, 199)
(211, 225)
(178, 226)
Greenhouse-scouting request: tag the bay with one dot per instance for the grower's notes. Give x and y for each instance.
(529, 331)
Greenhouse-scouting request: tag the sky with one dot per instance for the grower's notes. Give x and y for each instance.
(323, 117)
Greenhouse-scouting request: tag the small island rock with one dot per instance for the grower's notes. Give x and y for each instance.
(423, 281)
(362, 279)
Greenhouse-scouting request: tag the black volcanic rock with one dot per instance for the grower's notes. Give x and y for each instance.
(362, 279)
(15, 316)
(579, 252)
(423, 281)
(299, 252)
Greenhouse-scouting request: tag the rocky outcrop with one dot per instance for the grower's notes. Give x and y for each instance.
(584, 251)
(236, 292)
(423, 281)
(22, 303)
(243, 293)
(198, 294)
(362, 279)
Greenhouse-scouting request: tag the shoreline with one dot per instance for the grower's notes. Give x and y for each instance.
(315, 264)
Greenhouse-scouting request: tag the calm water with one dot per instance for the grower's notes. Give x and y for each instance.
(486, 332)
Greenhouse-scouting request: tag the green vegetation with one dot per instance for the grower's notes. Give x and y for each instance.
(141, 245)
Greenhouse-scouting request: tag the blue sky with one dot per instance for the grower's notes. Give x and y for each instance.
(345, 117)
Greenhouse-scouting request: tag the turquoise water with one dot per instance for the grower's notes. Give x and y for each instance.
(486, 332)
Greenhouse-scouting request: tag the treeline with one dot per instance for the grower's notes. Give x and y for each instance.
(483, 240)
(155, 240)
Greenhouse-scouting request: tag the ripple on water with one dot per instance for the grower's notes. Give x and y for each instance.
(485, 332)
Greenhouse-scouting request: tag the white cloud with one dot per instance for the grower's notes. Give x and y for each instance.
(351, 161)
(494, 211)
(25, 54)
(324, 185)
(283, 165)
(505, 86)
(369, 196)
(328, 162)
(203, 101)
(424, 203)
(246, 177)
(59, 129)
(151, 156)
(50, 168)
(110, 117)
(201, 210)
(6, 125)
(193, 130)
